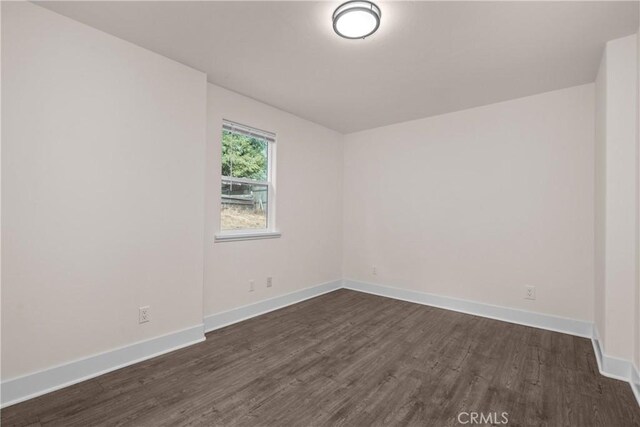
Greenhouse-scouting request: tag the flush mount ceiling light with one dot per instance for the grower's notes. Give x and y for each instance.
(356, 19)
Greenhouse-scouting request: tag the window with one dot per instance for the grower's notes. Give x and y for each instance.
(247, 197)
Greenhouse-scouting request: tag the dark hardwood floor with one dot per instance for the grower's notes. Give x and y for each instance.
(351, 359)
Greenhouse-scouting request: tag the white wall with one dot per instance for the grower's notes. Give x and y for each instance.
(308, 208)
(479, 203)
(637, 320)
(600, 196)
(617, 156)
(102, 191)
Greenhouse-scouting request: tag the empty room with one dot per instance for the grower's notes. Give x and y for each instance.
(320, 213)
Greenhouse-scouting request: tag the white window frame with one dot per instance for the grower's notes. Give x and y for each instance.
(252, 234)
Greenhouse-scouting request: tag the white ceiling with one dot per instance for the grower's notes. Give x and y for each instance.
(427, 58)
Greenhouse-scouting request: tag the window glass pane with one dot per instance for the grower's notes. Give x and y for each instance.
(244, 206)
(243, 156)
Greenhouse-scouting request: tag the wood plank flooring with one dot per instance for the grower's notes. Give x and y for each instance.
(351, 359)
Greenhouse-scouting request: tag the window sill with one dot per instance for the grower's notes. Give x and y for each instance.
(255, 235)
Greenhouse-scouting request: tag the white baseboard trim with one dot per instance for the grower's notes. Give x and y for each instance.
(32, 385)
(26, 387)
(19, 389)
(608, 366)
(616, 368)
(579, 328)
(220, 320)
(635, 382)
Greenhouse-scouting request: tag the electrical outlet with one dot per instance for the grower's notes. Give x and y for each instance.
(374, 270)
(252, 285)
(530, 292)
(144, 314)
(269, 282)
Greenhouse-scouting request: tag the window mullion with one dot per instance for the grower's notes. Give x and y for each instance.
(244, 180)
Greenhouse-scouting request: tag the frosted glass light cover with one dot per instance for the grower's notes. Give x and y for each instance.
(356, 19)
